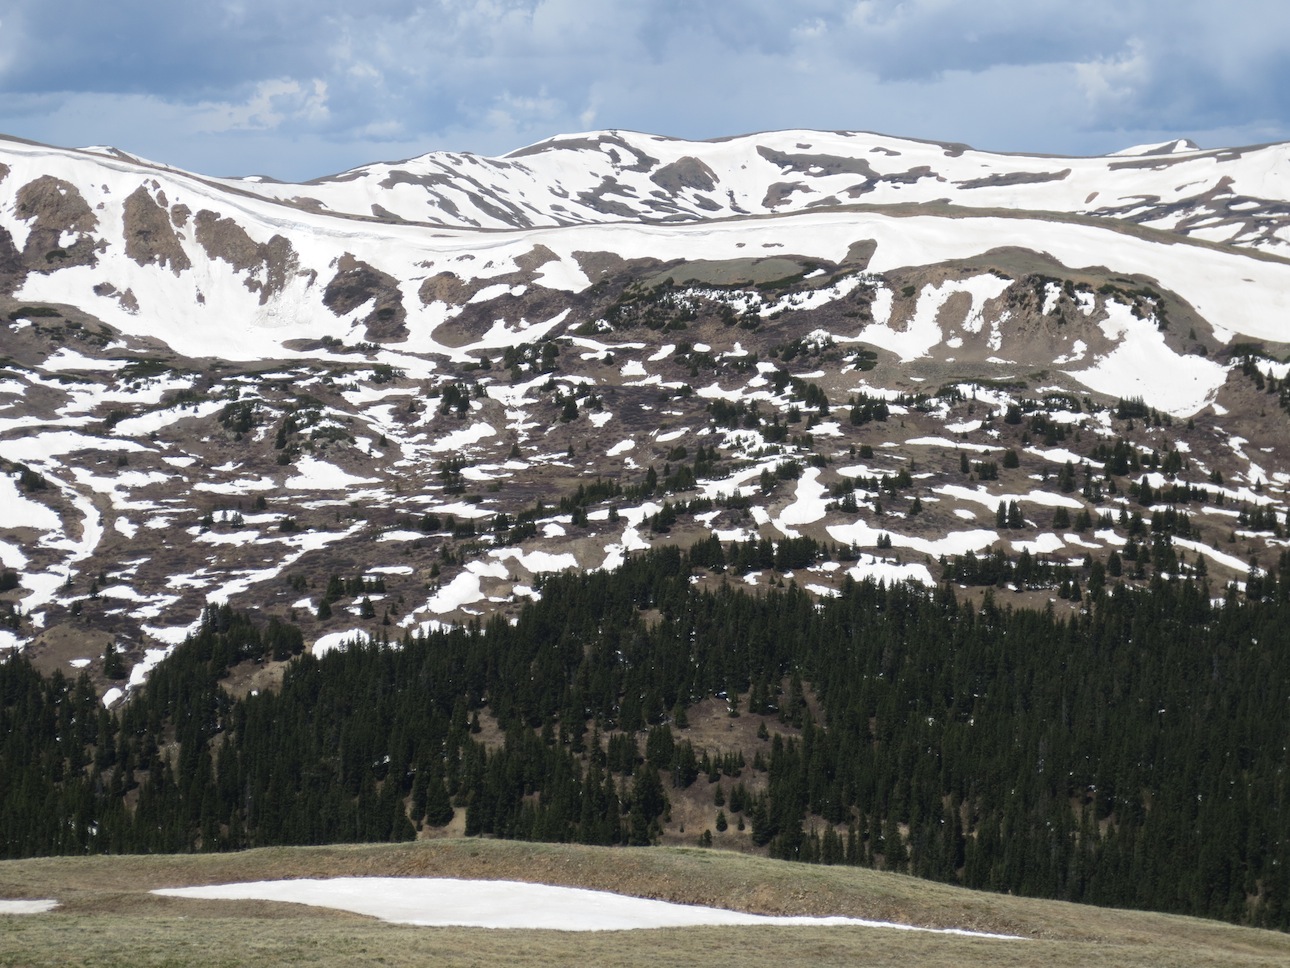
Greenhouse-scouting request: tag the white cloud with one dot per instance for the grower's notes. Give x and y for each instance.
(1110, 84)
(271, 104)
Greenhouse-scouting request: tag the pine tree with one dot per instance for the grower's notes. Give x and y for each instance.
(113, 664)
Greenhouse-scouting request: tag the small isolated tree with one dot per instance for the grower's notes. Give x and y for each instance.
(1015, 520)
(113, 664)
(439, 810)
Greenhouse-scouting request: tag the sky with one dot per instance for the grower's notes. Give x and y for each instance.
(297, 89)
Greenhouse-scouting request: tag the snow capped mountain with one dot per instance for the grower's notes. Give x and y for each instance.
(1220, 195)
(291, 262)
(218, 389)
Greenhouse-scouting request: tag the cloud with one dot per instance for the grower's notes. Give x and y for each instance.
(270, 104)
(311, 82)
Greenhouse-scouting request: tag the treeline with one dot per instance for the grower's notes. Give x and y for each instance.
(1133, 753)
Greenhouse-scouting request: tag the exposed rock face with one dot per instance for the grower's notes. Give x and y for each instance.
(149, 236)
(268, 265)
(687, 172)
(356, 283)
(535, 258)
(55, 209)
(11, 270)
(449, 288)
(817, 164)
(127, 299)
(599, 200)
(1015, 178)
(444, 287)
(779, 193)
(860, 253)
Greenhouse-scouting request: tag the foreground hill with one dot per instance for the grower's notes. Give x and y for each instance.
(107, 916)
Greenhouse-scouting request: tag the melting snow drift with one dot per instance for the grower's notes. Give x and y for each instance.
(26, 907)
(444, 902)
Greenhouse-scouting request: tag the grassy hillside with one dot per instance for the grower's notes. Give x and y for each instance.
(107, 916)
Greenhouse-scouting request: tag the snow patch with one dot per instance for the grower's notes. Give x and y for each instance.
(443, 902)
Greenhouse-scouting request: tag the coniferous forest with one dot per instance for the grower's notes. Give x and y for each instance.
(1135, 753)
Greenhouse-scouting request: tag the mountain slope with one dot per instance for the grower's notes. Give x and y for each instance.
(210, 383)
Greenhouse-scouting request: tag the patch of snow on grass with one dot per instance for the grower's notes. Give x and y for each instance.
(1213, 554)
(536, 562)
(1058, 455)
(17, 511)
(235, 487)
(808, 504)
(1143, 365)
(147, 423)
(459, 439)
(863, 535)
(315, 474)
(982, 496)
(1044, 544)
(462, 590)
(877, 569)
(824, 591)
(139, 673)
(952, 444)
(399, 535)
(443, 902)
(26, 907)
(336, 640)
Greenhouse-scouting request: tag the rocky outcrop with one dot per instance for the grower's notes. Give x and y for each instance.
(268, 265)
(11, 268)
(356, 283)
(150, 238)
(687, 172)
(444, 287)
(61, 225)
